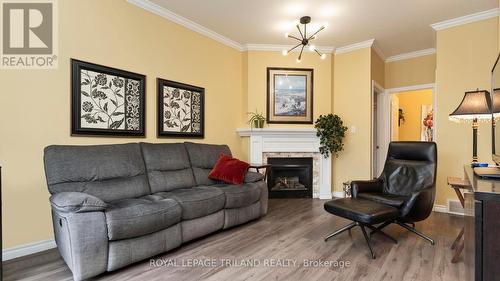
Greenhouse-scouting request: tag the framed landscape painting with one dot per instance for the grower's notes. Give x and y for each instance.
(106, 101)
(181, 111)
(290, 95)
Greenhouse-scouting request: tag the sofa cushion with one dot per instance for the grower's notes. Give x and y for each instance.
(203, 158)
(130, 218)
(387, 199)
(243, 195)
(168, 166)
(108, 172)
(197, 201)
(229, 170)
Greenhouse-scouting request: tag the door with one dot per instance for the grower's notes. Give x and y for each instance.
(380, 130)
(394, 118)
(375, 133)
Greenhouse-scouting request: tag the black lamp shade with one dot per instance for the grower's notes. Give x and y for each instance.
(474, 105)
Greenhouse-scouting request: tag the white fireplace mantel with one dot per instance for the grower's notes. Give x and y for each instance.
(289, 140)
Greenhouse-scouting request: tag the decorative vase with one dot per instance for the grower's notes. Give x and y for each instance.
(258, 124)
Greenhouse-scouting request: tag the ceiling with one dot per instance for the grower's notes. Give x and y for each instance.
(398, 26)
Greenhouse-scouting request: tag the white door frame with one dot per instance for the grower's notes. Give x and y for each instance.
(382, 99)
(389, 92)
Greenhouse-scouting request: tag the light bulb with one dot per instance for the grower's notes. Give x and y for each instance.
(312, 48)
(323, 56)
(284, 52)
(298, 60)
(286, 35)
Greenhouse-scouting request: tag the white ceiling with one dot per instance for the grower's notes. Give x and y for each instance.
(399, 26)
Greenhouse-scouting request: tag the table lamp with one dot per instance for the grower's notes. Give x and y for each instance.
(475, 106)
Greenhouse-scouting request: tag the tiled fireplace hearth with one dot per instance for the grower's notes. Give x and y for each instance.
(291, 143)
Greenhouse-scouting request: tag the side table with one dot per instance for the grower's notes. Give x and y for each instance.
(258, 167)
(458, 244)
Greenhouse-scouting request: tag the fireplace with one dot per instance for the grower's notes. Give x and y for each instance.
(290, 177)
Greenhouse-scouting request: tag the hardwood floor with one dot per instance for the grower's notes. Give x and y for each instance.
(292, 231)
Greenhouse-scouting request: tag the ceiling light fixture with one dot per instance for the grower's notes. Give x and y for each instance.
(304, 39)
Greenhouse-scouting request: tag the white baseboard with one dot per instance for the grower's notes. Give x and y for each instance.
(338, 194)
(28, 249)
(325, 197)
(440, 209)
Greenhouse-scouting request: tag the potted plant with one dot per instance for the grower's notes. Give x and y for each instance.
(331, 131)
(256, 119)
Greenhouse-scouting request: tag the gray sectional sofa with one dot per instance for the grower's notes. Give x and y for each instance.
(113, 205)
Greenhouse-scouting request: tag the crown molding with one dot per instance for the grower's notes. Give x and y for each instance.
(465, 19)
(279, 48)
(355, 46)
(165, 13)
(378, 50)
(411, 55)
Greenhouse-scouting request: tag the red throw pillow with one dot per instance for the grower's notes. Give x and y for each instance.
(229, 170)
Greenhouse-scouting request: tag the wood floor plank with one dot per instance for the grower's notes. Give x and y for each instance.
(292, 231)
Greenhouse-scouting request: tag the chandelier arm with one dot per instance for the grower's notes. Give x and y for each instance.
(318, 52)
(294, 48)
(301, 50)
(305, 30)
(300, 31)
(293, 37)
(316, 33)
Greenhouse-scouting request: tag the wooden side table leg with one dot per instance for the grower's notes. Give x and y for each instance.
(458, 251)
(458, 238)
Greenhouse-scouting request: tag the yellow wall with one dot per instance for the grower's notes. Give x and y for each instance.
(35, 104)
(462, 65)
(415, 71)
(377, 69)
(411, 104)
(352, 102)
(256, 76)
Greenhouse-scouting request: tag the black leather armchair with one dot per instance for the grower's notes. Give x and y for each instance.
(408, 182)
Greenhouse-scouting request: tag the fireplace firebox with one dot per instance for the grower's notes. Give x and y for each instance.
(290, 177)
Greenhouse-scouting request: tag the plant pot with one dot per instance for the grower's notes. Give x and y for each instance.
(258, 124)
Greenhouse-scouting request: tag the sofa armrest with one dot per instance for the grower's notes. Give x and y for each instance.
(253, 177)
(82, 241)
(76, 202)
(366, 186)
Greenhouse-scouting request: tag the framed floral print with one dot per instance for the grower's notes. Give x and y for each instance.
(181, 110)
(106, 101)
(290, 95)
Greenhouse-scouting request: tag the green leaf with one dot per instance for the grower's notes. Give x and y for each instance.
(116, 124)
(185, 128)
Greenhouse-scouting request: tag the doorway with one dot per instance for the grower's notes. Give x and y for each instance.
(412, 116)
(400, 114)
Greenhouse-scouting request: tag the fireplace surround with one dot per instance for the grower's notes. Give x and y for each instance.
(291, 142)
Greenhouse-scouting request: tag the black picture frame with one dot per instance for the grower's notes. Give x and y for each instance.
(270, 118)
(161, 109)
(76, 101)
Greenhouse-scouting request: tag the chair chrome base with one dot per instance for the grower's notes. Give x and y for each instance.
(409, 226)
(367, 238)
